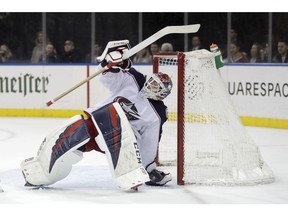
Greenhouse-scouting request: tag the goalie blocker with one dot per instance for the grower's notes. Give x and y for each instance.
(64, 147)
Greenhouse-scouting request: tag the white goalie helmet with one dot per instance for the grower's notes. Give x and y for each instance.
(157, 87)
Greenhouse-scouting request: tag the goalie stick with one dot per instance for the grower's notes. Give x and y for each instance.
(161, 33)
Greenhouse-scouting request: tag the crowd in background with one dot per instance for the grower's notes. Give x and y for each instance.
(48, 49)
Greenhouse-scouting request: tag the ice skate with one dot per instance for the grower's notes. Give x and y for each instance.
(158, 178)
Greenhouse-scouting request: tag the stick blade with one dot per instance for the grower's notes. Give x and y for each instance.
(183, 29)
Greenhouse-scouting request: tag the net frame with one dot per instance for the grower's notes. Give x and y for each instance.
(178, 58)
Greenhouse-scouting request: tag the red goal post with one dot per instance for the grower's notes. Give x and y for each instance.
(177, 58)
(212, 146)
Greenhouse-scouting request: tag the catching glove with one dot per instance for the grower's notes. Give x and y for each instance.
(114, 60)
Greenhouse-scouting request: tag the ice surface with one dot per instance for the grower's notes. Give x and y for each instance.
(90, 183)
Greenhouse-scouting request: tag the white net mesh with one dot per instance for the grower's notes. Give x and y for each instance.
(167, 150)
(217, 149)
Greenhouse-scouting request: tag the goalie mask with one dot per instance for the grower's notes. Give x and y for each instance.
(157, 87)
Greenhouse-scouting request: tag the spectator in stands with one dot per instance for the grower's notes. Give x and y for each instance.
(281, 56)
(97, 52)
(264, 54)
(143, 56)
(51, 54)
(255, 53)
(71, 54)
(6, 55)
(38, 48)
(196, 43)
(154, 48)
(234, 35)
(236, 56)
(166, 47)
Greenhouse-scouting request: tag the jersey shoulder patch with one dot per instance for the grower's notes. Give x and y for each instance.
(129, 108)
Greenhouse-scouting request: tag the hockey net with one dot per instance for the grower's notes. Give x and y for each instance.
(204, 136)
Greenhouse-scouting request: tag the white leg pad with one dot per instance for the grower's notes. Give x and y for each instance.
(57, 153)
(117, 139)
(37, 173)
(132, 179)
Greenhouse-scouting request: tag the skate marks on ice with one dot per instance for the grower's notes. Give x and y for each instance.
(6, 134)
